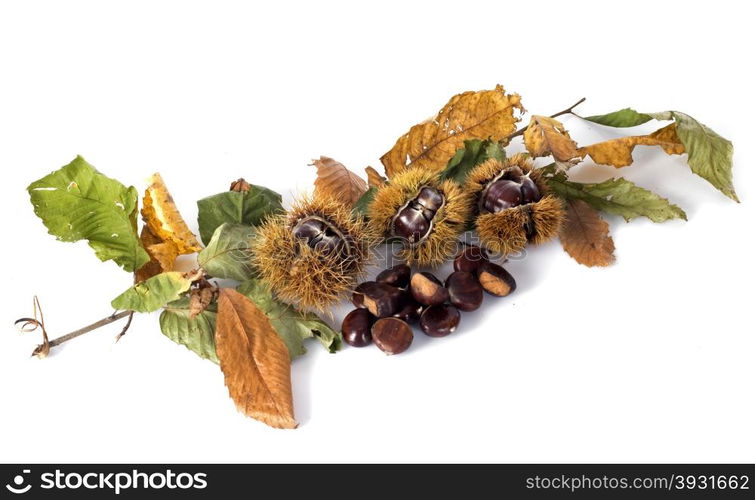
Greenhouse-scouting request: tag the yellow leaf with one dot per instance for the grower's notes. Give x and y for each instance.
(584, 235)
(336, 181)
(374, 179)
(254, 361)
(162, 255)
(164, 220)
(618, 152)
(545, 136)
(487, 114)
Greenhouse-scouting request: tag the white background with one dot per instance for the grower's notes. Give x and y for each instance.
(648, 360)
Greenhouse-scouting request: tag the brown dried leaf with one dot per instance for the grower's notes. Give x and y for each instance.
(337, 181)
(374, 179)
(164, 220)
(162, 255)
(254, 360)
(585, 235)
(618, 152)
(545, 136)
(240, 186)
(200, 298)
(470, 115)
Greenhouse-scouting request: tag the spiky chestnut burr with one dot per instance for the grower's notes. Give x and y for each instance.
(513, 205)
(312, 255)
(425, 214)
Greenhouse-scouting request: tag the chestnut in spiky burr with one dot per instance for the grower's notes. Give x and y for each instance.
(312, 255)
(513, 205)
(425, 214)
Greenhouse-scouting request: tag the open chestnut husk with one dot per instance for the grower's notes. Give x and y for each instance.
(464, 290)
(439, 320)
(513, 204)
(427, 289)
(312, 255)
(392, 335)
(425, 214)
(495, 280)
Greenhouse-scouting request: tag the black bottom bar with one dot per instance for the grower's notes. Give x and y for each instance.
(391, 481)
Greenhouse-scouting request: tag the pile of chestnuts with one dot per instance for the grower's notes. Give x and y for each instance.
(398, 298)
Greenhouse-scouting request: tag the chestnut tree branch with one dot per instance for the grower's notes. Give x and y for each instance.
(555, 115)
(97, 324)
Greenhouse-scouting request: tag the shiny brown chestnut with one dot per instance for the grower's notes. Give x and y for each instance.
(530, 192)
(378, 298)
(397, 276)
(469, 258)
(392, 335)
(464, 290)
(495, 280)
(318, 234)
(356, 328)
(414, 221)
(511, 189)
(410, 309)
(500, 195)
(440, 320)
(427, 289)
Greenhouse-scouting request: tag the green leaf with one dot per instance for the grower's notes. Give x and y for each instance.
(474, 152)
(77, 202)
(228, 254)
(197, 334)
(708, 154)
(292, 325)
(618, 197)
(626, 117)
(154, 293)
(362, 205)
(250, 208)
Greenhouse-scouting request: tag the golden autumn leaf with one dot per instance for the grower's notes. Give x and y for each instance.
(374, 179)
(545, 136)
(162, 255)
(164, 220)
(488, 114)
(618, 152)
(337, 181)
(585, 236)
(254, 361)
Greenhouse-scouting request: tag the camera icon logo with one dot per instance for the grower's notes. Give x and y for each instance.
(18, 484)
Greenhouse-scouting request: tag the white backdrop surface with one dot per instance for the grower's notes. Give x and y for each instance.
(648, 360)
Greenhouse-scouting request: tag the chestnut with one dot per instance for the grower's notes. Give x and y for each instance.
(380, 299)
(427, 289)
(414, 221)
(530, 192)
(430, 199)
(397, 276)
(411, 224)
(500, 195)
(440, 320)
(356, 328)
(410, 309)
(470, 258)
(495, 280)
(464, 290)
(392, 335)
(318, 234)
